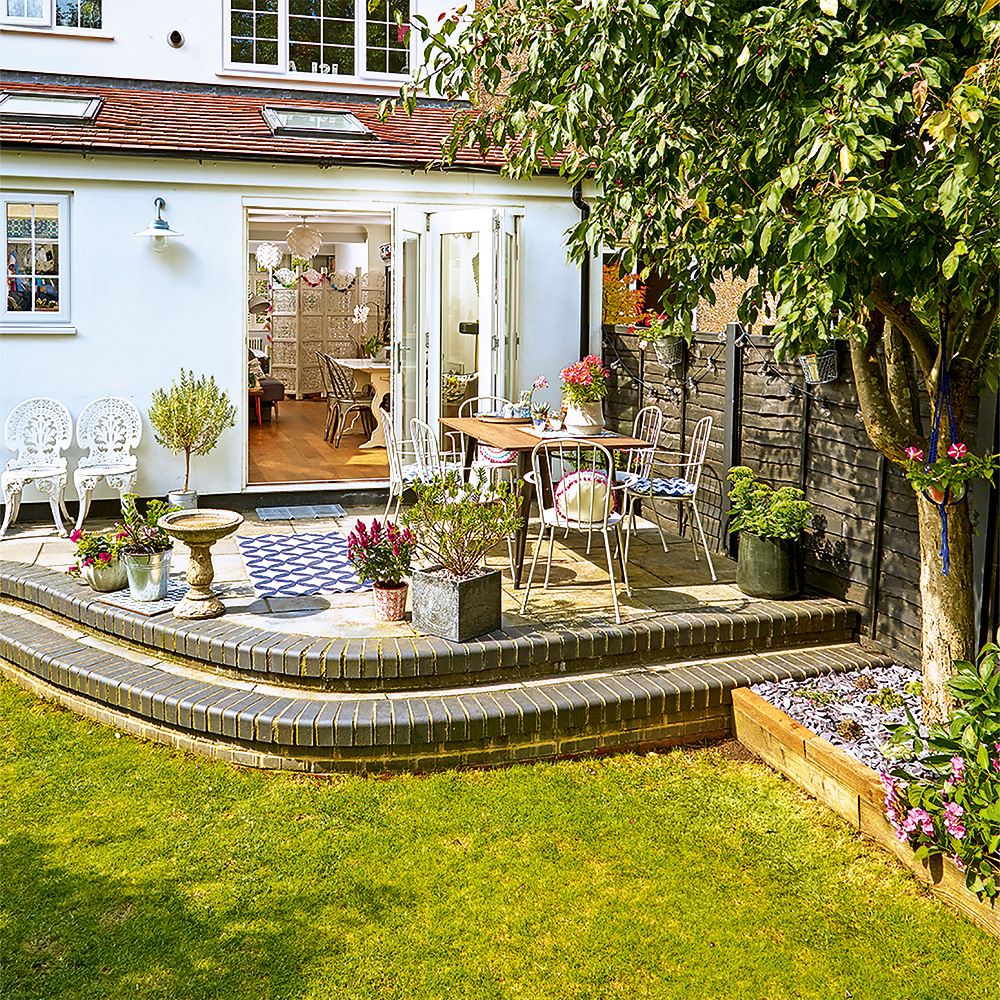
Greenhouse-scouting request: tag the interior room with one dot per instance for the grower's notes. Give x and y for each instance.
(318, 328)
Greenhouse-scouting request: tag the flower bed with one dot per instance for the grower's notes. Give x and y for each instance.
(850, 789)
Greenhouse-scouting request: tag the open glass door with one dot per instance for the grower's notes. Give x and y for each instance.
(409, 329)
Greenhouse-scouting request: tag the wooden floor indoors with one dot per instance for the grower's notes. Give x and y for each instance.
(293, 451)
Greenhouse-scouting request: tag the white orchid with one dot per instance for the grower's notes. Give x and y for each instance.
(361, 314)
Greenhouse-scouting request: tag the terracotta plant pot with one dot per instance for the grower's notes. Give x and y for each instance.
(954, 494)
(390, 601)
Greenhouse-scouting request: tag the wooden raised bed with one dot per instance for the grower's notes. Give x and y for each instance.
(851, 789)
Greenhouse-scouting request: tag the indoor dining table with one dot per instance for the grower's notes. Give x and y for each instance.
(377, 373)
(518, 439)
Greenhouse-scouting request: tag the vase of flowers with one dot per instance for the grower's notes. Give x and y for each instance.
(585, 384)
(146, 548)
(944, 481)
(381, 553)
(98, 559)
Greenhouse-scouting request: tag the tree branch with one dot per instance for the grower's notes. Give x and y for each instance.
(888, 432)
(900, 380)
(973, 342)
(901, 315)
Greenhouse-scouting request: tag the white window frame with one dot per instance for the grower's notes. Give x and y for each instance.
(44, 21)
(281, 67)
(57, 321)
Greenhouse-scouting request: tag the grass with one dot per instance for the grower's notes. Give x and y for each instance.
(130, 870)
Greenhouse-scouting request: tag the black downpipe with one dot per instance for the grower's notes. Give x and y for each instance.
(584, 277)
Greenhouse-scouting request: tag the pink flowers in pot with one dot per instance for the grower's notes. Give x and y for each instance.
(380, 552)
(947, 474)
(585, 381)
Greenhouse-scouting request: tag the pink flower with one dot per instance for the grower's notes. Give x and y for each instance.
(952, 813)
(959, 863)
(921, 818)
(541, 382)
(957, 768)
(915, 454)
(957, 450)
(402, 31)
(76, 535)
(105, 557)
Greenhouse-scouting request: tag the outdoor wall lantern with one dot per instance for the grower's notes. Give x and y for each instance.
(158, 228)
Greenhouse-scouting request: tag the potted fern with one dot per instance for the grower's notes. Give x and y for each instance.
(189, 417)
(769, 522)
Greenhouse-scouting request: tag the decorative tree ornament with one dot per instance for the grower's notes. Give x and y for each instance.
(268, 256)
(304, 241)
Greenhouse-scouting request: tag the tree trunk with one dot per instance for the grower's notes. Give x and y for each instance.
(947, 621)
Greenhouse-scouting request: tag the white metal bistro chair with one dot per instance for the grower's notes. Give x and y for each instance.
(575, 489)
(682, 488)
(403, 471)
(634, 464)
(431, 460)
(39, 430)
(496, 461)
(108, 429)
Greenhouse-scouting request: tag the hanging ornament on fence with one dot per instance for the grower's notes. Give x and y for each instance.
(268, 256)
(304, 241)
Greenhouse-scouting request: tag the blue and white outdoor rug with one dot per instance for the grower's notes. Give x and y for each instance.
(297, 565)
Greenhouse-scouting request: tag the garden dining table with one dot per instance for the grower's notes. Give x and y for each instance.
(514, 437)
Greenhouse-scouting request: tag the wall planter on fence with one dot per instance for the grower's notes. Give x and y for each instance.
(851, 789)
(820, 367)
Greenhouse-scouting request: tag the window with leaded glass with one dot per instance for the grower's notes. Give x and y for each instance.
(35, 250)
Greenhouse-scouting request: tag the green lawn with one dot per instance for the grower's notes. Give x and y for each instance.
(130, 870)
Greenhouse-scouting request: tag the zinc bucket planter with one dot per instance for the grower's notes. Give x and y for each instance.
(148, 574)
(852, 790)
(768, 567)
(456, 609)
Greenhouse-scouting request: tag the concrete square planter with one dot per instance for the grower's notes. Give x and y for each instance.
(456, 609)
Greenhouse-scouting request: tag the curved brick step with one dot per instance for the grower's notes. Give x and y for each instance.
(387, 664)
(266, 726)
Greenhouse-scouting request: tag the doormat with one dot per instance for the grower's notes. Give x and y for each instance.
(298, 565)
(300, 513)
(176, 589)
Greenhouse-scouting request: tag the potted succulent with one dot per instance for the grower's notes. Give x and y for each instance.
(381, 553)
(145, 548)
(98, 559)
(189, 417)
(769, 522)
(456, 524)
(585, 384)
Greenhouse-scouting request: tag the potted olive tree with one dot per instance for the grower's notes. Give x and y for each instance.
(770, 523)
(189, 417)
(455, 525)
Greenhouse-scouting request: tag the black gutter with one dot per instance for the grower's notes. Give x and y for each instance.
(584, 276)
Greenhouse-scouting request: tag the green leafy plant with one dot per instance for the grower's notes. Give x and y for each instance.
(763, 511)
(95, 547)
(955, 811)
(885, 698)
(816, 696)
(190, 416)
(381, 553)
(139, 533)
(621, 303)
(457, 523)
(949, 472)
(661, 326)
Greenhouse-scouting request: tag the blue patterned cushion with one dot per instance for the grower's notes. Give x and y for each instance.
(410, 474)
(675, 489)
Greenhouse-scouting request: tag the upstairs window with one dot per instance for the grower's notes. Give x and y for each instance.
(53, 13)
(36, 250)
(357, 38)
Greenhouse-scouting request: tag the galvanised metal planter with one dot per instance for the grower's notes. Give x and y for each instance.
(105, 577)
(456, 609)
(148, 574)
(768, 567)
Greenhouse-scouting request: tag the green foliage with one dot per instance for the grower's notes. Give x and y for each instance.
(95, 547)
(885, 699)
(815, 695)
(947, 472)
(190, 416)
(763, 511)
(140, 533)
(135, 870)
(457, 523)
(957, 810)
(619, 302)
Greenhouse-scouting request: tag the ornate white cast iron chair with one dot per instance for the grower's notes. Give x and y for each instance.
(682, 488)
(108, 428)
(580, 499)
(39, 430)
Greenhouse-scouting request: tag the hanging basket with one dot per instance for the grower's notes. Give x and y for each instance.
(819, 367)
(669, 350)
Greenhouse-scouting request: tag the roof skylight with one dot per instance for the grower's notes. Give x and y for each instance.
(315, 123)
(63, 109)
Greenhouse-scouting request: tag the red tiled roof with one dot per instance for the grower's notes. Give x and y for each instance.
(146, 122)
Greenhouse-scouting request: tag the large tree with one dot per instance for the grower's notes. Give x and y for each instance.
(845, 154)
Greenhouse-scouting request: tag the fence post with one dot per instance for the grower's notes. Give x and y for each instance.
(733, 412)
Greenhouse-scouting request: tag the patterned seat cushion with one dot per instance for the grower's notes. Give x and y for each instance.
(489, 455)
(674, 489)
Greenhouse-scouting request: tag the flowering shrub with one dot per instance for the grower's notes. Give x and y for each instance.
(585, 381)
(380, 553)
(950, 471)
(95, 547)
(140, 533)
(956, 811)
(458, 522)
(621, 302)
(763, 511)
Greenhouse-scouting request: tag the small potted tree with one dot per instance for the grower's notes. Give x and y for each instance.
(189, 417)
(381, 553)
(456, 524)
(770, 523)
(146, 548)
